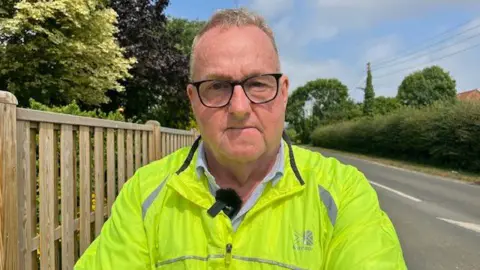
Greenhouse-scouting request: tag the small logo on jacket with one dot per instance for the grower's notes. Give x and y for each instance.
(303, 240)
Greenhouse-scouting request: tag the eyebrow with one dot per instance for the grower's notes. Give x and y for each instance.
(215, 76)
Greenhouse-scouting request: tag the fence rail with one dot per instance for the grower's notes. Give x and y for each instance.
(60, 175)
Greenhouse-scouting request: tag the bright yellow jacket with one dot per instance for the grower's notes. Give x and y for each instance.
(320, 215)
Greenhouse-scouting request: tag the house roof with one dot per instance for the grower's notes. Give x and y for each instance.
(469, 95)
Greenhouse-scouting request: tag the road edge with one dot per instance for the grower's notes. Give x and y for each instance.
(351, 155)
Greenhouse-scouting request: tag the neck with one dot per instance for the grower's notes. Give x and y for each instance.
(243, 177)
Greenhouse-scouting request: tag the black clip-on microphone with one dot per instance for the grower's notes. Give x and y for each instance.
(227, 200)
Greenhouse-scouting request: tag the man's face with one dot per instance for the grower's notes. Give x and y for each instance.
(242, 131)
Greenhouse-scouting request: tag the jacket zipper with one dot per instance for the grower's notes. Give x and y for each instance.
(228, 254)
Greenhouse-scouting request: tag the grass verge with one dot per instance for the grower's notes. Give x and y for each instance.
(463, 176)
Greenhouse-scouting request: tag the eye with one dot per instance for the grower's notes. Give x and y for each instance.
(219, 85)
(257, 84)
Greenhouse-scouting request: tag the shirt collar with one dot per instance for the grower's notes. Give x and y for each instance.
(274, 175)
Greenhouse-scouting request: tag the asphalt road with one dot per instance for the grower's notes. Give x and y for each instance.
(437, 220)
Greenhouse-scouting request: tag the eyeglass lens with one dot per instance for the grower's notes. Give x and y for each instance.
(258, 89)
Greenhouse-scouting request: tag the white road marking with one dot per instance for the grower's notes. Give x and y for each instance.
(467, 225)
(396, 192)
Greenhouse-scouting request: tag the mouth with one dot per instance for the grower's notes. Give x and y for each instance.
(236, 128)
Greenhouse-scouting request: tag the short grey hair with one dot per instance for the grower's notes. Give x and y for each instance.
(233, 17)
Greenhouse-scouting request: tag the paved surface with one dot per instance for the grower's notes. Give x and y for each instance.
(437, 220)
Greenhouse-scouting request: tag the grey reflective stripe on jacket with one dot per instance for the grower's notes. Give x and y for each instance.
(258, 260)
(329, 203)
(234, 257)
(192, 257)
(148, 202)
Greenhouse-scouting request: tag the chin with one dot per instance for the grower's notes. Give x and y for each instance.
(242, 145)
(244, 153)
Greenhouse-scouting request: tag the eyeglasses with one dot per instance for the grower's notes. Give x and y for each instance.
(259, 89)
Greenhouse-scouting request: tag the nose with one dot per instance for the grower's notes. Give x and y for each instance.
(239, 105)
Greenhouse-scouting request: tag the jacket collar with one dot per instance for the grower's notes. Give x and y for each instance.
(185, 180)
(274, 175)
(290, 159)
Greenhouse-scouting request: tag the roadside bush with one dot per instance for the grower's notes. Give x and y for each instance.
(292, 134)
(443, 134)
(74, 109)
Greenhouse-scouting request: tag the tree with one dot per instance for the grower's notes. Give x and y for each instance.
(426, 86)
(7, 8)
(327, 97)
(347, 110)
(295, 115)
(74, 109)
(369, 96)
(185, 31)
(385, 105)
(59, 51)
(157, 88)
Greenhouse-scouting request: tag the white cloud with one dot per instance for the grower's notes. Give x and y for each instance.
(349, 14)
(302, 23)
(271, 8)
(381, 4)
(361, 14)
(288, 20)
(384, 8)
(382, 48)
(295, 33)
(300, 72)
(457, 55)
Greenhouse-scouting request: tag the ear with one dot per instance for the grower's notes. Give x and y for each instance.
(190, 92)
(285, 84)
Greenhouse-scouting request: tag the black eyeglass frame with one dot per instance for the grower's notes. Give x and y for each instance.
(277, 76)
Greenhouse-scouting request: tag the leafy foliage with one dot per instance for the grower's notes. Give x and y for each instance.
(59, 51)
(328, 95)
(292, 134)
(442, 134)
(329, 100)
(369, 96)
(74, 109)
(157, 88)
(347, 110)
(185, 31)
(7, 8)
(386, 105)
(426, 86)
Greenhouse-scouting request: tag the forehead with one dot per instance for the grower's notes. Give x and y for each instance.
(234, 52)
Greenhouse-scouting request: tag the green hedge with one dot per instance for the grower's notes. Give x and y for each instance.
(74, 109)
(443, 134)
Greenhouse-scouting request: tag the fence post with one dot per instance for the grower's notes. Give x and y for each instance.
(194, 134)
(156, 148)
(9, 217)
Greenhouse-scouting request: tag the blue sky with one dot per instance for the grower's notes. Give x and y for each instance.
(336, 38)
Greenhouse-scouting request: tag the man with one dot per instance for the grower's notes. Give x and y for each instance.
(299, 209)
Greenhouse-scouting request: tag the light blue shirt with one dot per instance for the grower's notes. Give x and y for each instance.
(273, 176)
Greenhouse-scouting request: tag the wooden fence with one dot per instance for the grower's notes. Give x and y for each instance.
(59, 176)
